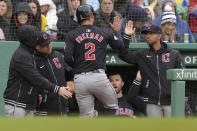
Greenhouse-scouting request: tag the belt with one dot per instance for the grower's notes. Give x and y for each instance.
(94, 71)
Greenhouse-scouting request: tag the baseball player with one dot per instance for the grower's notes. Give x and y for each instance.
(24, 80)
(51, 65)
(85, 50)
(153, 64)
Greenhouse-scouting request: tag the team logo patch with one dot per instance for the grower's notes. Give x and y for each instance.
(148, 27)
(124, 111)
(56, 62)
(45, 36)
(166, 57)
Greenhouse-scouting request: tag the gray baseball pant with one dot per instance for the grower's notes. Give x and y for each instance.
(13, 111)
(153, 110)
(90, 85)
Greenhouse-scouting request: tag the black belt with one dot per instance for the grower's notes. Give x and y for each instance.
(94, 71)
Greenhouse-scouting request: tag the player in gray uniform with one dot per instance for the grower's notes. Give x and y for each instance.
(85, 51)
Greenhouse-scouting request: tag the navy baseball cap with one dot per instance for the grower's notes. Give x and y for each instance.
(151, 28)
(43, 38)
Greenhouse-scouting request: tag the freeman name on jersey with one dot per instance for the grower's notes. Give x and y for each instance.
(84, 36)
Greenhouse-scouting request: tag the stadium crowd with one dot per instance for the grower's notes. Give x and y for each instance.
(56, 18)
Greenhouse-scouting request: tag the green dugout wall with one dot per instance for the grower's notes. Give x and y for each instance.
(188, 51)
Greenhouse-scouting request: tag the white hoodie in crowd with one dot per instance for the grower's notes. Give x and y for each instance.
(51, 14)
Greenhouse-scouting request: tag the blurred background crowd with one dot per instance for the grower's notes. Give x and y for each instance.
(178, 18)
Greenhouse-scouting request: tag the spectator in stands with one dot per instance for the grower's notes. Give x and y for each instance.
(2, 36)
(135, 98)
(105, 15)
(150, 13)
(48, 8)
(140, 3)
(56, 71)
(122, 6)
(181, 12)
(61, 5)
(5, 15)
(6, 9)
(39, 19)
(139, 17)
(193, 19)
(21, 16)
(67, 22)
(94, 3)
(181, 26)
(168, 24)
(16, 2)
(156, 5)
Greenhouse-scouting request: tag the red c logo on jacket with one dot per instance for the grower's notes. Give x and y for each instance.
(166, 57)
(57, 63)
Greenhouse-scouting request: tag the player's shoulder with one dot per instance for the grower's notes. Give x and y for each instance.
(169, 49)
(78, 31)
(71, 34)
(104, 31)
(57, 54)
(74, 31)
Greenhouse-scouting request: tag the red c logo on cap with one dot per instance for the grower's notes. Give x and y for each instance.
(149, 27)
(45, 36)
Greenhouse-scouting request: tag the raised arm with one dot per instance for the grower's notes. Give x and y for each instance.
(133, 97)
(114, 38)
(124, 54)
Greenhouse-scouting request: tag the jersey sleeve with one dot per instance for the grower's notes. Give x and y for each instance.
(114, 39)
(126, 55)
(68, 72)
(26, 67)
(134, 99)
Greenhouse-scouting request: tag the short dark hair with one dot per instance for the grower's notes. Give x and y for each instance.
(115, 73)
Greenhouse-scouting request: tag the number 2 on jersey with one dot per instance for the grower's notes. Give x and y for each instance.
(89, 55)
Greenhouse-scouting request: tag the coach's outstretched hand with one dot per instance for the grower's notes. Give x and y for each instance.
(116, 23)
(65, 93)
(129, 30)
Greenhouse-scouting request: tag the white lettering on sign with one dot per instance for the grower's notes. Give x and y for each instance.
(110, 59)
(191, 59)
(186, 75)
(187, 59)
(194, 59)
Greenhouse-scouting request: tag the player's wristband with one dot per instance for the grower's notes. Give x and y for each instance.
(136, 82)
(56, 89)
(125, 36)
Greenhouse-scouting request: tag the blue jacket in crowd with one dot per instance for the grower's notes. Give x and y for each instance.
(181, 26)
